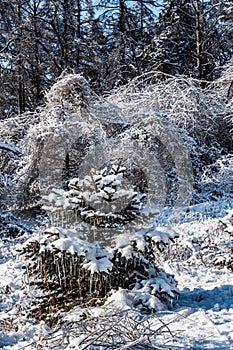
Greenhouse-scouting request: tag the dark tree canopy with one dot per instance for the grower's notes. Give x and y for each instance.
(193, 38)
(110, 42)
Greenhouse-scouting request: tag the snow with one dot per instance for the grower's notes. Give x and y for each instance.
(205, 306)
(100, 265)
(201, 317)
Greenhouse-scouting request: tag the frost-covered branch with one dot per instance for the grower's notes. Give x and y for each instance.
(10, 148)
(200, 112)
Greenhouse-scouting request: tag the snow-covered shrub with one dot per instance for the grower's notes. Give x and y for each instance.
(226, 259)
(216, 181)
(72, 271)
(74, 264)
(203, 115)
(99, 199)
(68, 125)
(203, 240)
(198, 111)
(11, 225)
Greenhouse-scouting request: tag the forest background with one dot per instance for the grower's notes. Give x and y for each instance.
(109, 42)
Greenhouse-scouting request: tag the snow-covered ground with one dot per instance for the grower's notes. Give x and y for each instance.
(200, 318)
(204, 309)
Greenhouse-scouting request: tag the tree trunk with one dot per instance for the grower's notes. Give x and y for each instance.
(198, 40)
(20, 89)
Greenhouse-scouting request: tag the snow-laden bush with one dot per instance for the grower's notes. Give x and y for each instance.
(91, 252)
(99, 199)
(215, 182)
(203, 115)
(72, 121)
(203, 240)
(201, 112)
(72, 271)
(226, 259)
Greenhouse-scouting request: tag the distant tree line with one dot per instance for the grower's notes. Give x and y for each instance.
(109, 41)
